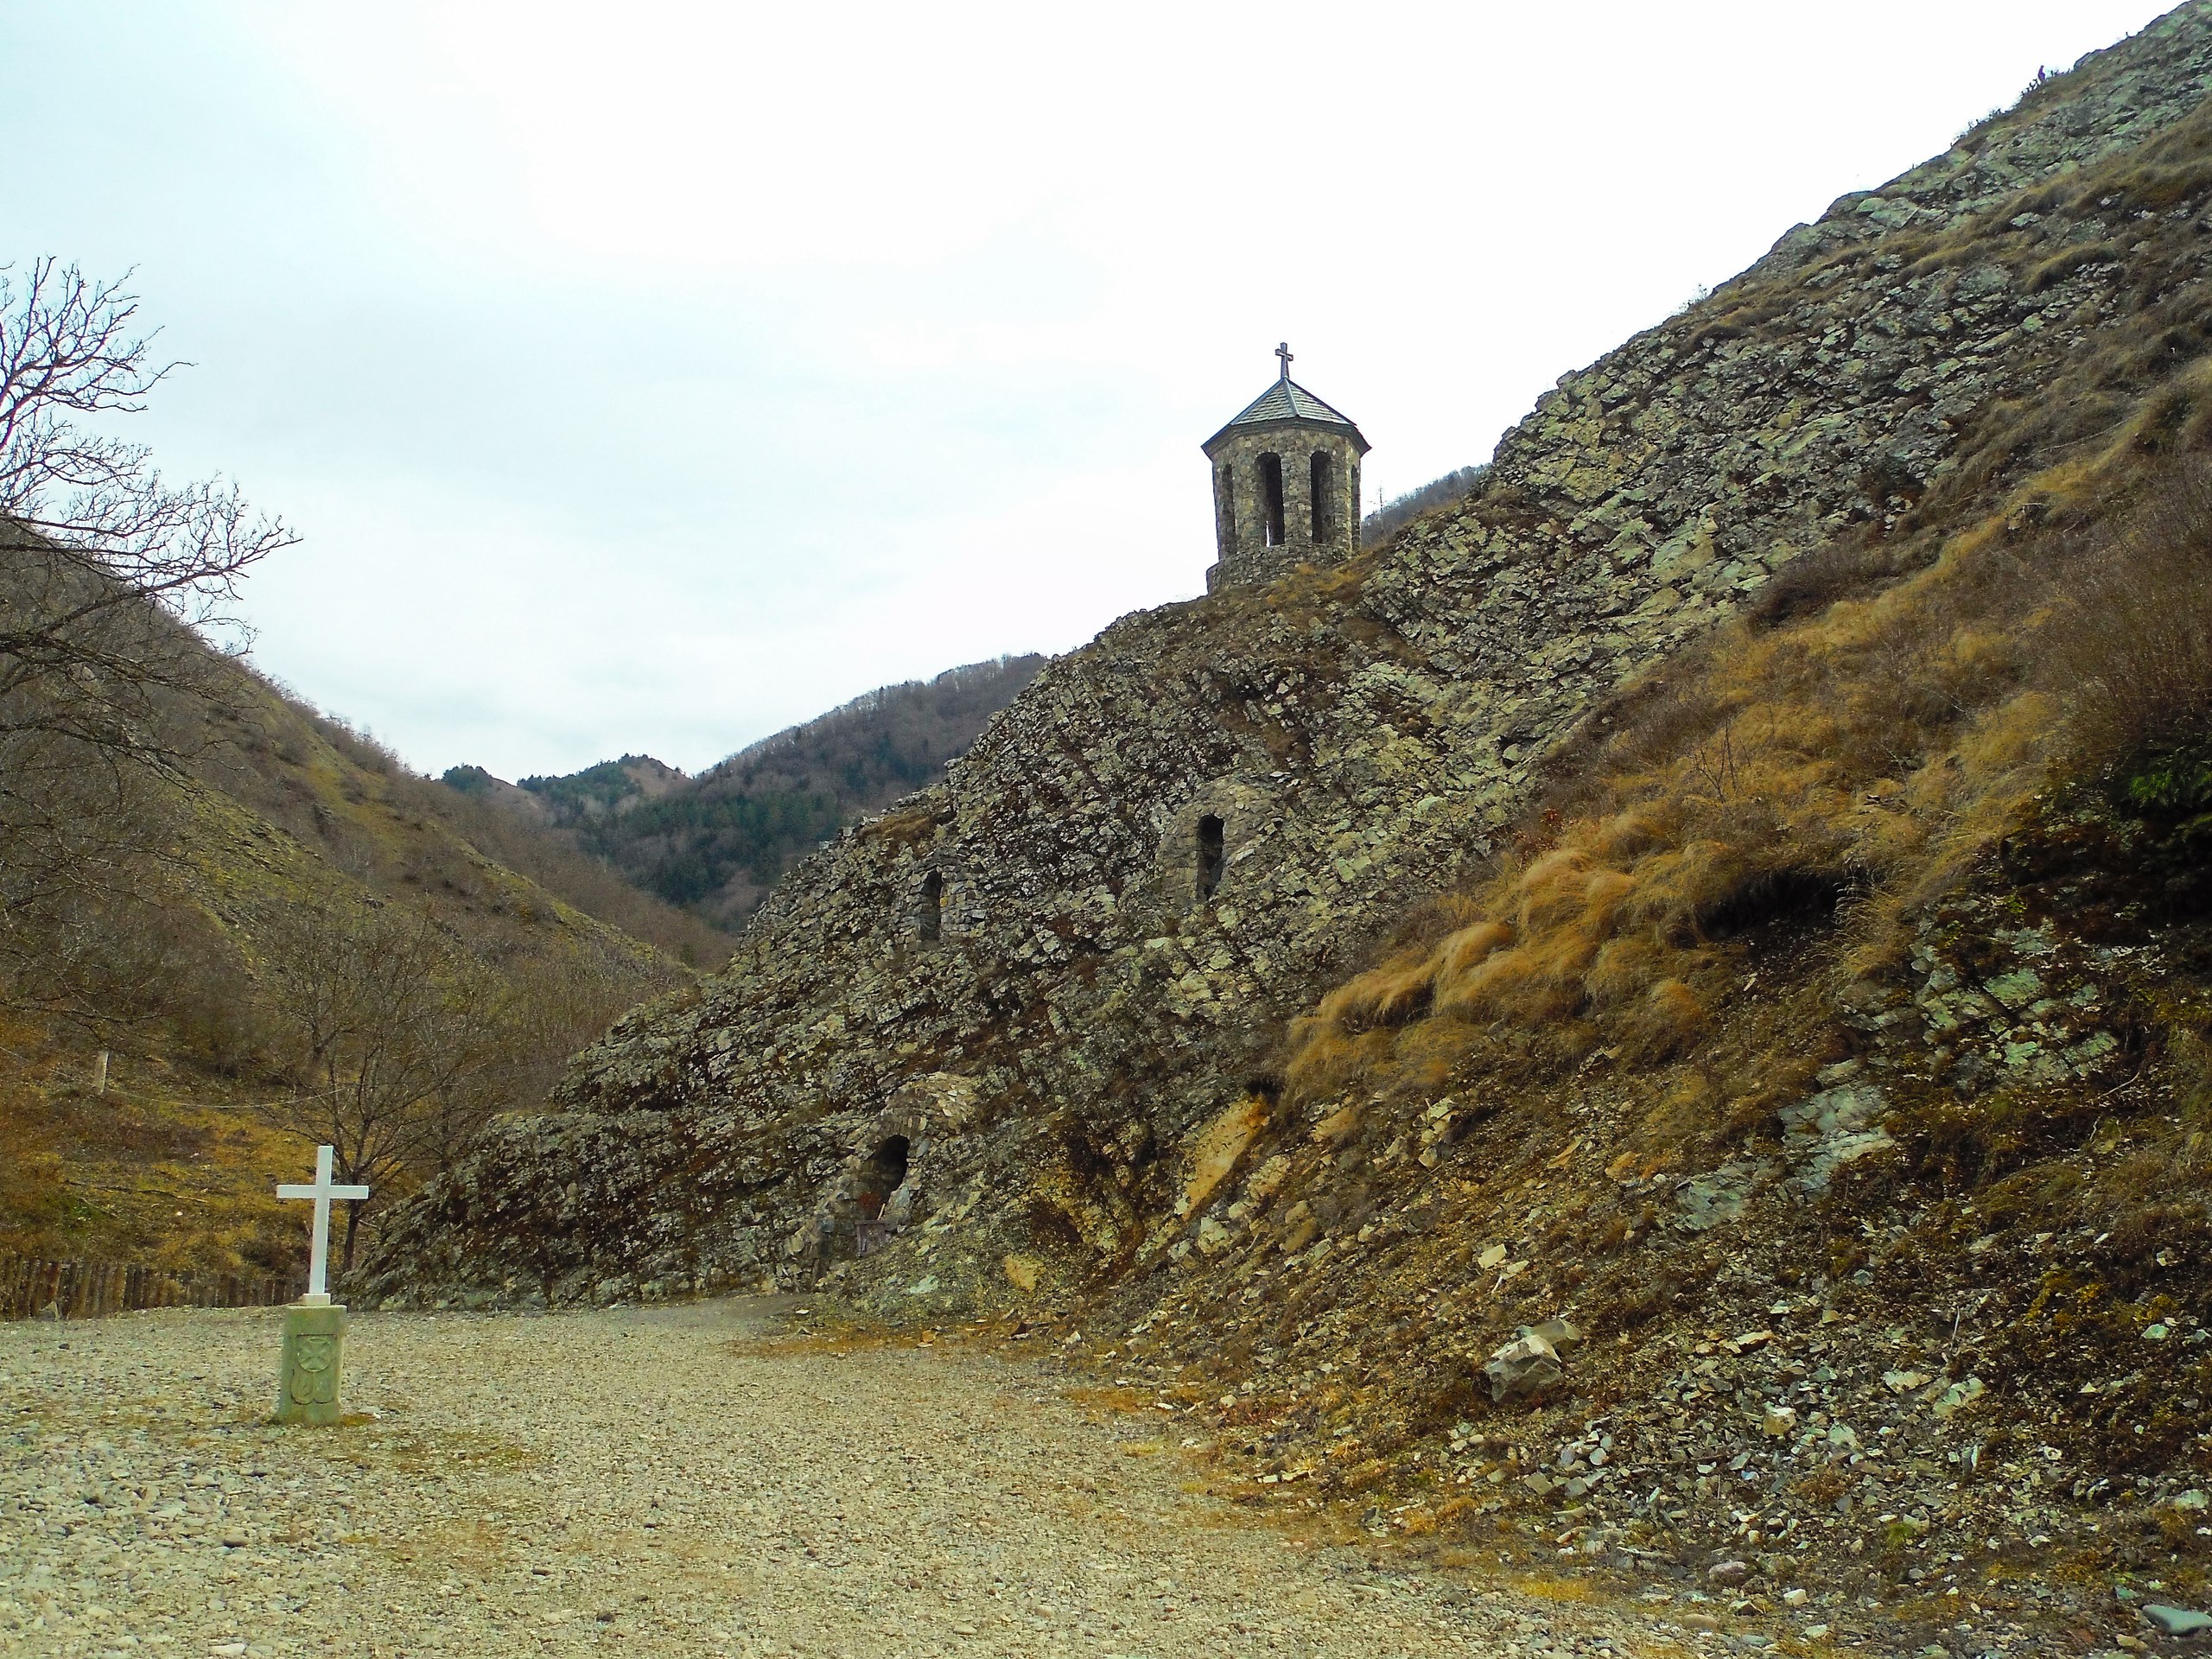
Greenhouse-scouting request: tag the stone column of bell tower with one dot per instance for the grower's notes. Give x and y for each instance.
(1285, 486)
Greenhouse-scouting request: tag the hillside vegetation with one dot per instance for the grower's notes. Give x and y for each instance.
(1892, 704)
(717, 844)
(293, 939)
(232, 927)
(1826, 1036)
(229, 928)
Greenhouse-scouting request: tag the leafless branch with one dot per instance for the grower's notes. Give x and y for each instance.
(109, 578)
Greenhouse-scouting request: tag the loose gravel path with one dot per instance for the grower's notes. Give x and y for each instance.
(672, 1481)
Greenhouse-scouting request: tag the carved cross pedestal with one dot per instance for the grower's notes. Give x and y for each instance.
(307, 1372)
(315, 1327)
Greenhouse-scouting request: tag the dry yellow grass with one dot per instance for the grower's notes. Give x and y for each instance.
(1864, 756)
(166, 1169)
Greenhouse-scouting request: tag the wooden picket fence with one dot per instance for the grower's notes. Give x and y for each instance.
(82, 1290)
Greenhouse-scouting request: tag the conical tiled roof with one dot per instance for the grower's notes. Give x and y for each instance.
(1284, 403)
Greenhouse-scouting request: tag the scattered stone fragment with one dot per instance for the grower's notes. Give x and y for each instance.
(1963, 1393)
(2177, 1621)
(1523, 1368)
(1564, 1335)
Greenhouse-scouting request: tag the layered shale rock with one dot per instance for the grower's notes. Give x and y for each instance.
(1077, 955)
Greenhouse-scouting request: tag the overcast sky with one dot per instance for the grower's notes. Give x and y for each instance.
(647, 377)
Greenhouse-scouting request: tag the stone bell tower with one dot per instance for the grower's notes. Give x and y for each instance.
(1285, 486)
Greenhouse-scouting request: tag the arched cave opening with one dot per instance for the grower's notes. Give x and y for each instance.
(882, 1175)
(929, 908)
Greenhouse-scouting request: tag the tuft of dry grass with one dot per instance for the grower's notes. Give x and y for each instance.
(2135, 648)
(1849, 757)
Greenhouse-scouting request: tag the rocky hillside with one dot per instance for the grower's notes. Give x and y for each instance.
(717, 843)
(1691, 1039)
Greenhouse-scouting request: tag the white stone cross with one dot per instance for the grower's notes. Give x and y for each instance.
(322, 1193)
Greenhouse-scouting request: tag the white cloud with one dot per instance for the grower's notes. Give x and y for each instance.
(649, 377)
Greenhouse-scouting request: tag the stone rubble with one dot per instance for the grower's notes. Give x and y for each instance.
(668, 1482)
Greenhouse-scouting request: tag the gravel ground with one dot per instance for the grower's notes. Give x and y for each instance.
(657, 1481)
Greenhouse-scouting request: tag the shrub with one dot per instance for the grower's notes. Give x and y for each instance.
(2132, 649)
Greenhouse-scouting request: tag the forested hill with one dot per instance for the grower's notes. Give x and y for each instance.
(717, 843)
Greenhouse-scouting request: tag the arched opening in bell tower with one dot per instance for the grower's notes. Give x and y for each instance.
(1271, 497)
(1323, 496)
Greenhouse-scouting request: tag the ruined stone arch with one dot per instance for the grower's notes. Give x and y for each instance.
(929, 907)
(1212, 853)
(883, 1185)
(937, 902)
(882, 1174)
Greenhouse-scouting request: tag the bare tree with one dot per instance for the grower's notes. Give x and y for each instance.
(376, 1012)
(107, 577)
(523, 1029)
(401, 1045)
(100, 552)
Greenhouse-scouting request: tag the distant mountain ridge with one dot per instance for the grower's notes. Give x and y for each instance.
(717, 844)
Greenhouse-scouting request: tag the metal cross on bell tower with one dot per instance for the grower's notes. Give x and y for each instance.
(1283, 351)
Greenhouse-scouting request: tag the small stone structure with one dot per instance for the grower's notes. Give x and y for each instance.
(1285, 486)
(308, 1364)
(881, 1183)
(940, 906)
(1204, 840)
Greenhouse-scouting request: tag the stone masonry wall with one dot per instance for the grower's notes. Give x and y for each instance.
(1244, 554)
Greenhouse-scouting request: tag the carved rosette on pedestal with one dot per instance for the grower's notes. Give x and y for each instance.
(306, 1386)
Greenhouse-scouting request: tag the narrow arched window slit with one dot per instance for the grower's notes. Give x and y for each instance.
(1271, 497)
(929, 909)
(1212, 854)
